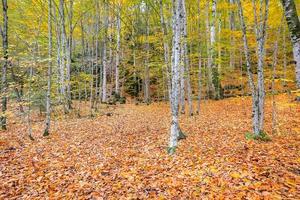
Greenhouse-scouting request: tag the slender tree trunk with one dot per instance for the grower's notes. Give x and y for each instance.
(292, 20)
(284, 58)
(97, 54)
(147, 70)
(91, 54)
(48, 95)
(4, 33)
(166, 48)
(104, 59)
(232, 28)
(213, 54)
(199, 61)
(187, 60)
(29, 124)
(63, 55)
(210, 86)
(258, 93)
(249, 67)
(219, 46)
(118, 49)
(69, 56)
(274, 65)
(182, 77)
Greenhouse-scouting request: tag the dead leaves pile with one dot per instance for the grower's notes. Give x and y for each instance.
(123, 156)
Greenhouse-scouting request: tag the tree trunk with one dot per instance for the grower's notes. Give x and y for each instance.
(63, 49)
(175, 77)
(4, 33)
(166, 48)
(260, 68)
(69, 56)
(258, 93)
(292, 20)
(210, 86)
(187, 60)
(48, 96)
(118, 49)
(213, 54)
(104, 59)
(232, 39)
(199, 61)
(147, 75)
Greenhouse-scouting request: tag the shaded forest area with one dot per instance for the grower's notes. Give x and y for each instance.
(150, 99)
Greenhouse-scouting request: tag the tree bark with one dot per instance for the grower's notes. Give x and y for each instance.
(147, 70)
(258, 93)
(199, 62)
(49, 73)
(104, 59)
(166, 48)
(117, 90)
(63, 56)
(213, 54)
(232, 28)
(292, 20)
(69, 56)
(187, 60)
(4, 33)
(175, 76)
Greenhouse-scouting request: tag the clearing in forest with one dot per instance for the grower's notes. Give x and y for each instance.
(123, 156)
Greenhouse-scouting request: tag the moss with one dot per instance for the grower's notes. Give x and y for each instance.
(171, 150)
(262, 136)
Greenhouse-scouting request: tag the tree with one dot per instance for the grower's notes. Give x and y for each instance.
(118, 48)
(4, 34)
(104, 56)
(49, 73)
(176, 24)
(292, 20)
(258, 92)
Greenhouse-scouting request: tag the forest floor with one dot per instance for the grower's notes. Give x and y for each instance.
(124, 156)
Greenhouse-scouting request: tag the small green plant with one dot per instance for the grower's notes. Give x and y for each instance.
(262, 136)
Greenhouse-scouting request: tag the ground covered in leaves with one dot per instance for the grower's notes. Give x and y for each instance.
(123, 156)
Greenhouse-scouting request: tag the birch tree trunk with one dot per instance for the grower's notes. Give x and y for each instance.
(260, 71)
(62, 54)
(118, 49)
(104, 59)
(186, 59)
(213, 53)
(69, 57)
(210, 86)
(175, 77)
(147, 76)
(292, 20)
(4, 34)
(97, 53)
(232, 39)
(274, 65)
(48, 95)
(284, 58)
(258, 93)
(249, 68)
(182, 76)
(91, 54)
(166, 48)
(199, 61)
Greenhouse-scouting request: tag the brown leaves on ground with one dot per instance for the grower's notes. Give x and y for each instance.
(123, 156)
